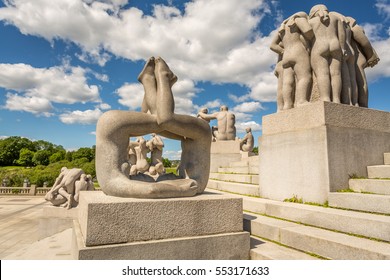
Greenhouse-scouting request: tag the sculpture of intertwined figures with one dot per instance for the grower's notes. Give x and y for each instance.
(67, 186)
(325, 47)
(114, 128)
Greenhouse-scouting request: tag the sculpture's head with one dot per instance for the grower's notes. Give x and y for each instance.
(153, 134)
(83, 177)
(248, 129)
(204, 110)
(224, 108)
(63, 169)
(320, 11)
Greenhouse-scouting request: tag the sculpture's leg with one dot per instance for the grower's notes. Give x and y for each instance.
(346, 91)
(146, 77)
(321, 70)
(335, 74)
(195, 132)
(361, 81)
(354, 87)
(304, 81)
(288, 88)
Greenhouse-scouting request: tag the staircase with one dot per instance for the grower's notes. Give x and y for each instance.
(353, 226)
(369, 195)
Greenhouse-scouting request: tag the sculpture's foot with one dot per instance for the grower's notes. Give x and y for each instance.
(287, 106)
(148, 70)
(302, 103)
(163, 69)
(70, 202)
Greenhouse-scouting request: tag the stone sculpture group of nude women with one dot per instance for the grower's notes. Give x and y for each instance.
(114, 128)
(323, 46)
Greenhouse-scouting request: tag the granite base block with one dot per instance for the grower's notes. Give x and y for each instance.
(309, 151)
(225, 246)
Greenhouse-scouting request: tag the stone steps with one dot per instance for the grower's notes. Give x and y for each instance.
(239, 178)
(239, 170)
(233, 187)
(352, 222)
(244, 163)
(376, 186)
(266, 250)
(378, 171)
(324, 243)
(363, 202)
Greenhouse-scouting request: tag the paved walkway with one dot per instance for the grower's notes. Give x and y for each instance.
(24, 234)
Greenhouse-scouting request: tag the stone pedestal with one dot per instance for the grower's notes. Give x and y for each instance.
(208, 226)
(310, 151)
(223, 152)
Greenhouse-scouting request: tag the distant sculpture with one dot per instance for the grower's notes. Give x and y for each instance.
(247, 143)
(67, 187)
(155, 145)
(329, 45)
(226, 129)
(114, 128)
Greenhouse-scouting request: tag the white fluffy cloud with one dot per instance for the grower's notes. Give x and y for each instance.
(252, 124)
(383, 7)
(175, 155)
(211, 40)
(35, 105)
(38, 88)
(81, 117)
(248, 107)
(131, 95)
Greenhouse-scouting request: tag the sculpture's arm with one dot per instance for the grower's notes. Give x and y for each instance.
(276, 44)
(342, 36)
(208, 116)
(305, 28)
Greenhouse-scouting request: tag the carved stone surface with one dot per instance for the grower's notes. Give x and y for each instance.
(247, 143)
(67, 187)
(225, 129)
(323, 53)
(114, 129)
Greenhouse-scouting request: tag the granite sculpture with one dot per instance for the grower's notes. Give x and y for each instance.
(325, 47)
(226, 120)
(67, 186)
(114, 128)
(247, 143)
(155, 146)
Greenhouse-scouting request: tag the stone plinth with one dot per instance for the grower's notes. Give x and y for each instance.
(208, 226)
(309, 151)
(223, 152)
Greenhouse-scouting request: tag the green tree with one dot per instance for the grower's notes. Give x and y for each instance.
(256, 150)
(167, 162)
(57, 156)
(10, 149)
(25, 157)
(84, 153)
(69, 156)
(41, 157)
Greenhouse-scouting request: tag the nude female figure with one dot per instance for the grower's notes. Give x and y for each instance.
(327, 52)
(365, 56)
(292, 42)
(115, 127)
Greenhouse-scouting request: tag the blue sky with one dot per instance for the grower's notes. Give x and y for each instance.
(65, 62)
